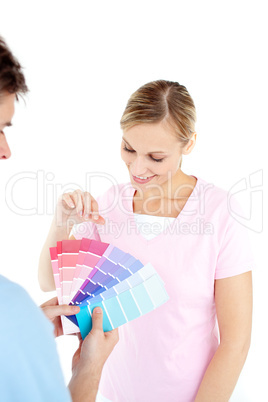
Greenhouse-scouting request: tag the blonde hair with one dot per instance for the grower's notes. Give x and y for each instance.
(162, 100)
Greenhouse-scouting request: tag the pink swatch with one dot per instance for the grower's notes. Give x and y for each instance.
(70, 251)
(56, 272)
(94, 253)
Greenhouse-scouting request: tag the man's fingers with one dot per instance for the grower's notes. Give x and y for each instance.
(97, 318)
(55, 311)
(51, 302)
(70, 310)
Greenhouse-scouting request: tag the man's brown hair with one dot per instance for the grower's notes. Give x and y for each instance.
(12, 79)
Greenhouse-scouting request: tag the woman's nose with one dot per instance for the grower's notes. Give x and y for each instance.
(5, 152)
(139, 166)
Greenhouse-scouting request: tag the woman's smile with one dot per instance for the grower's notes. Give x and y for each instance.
(142, 179)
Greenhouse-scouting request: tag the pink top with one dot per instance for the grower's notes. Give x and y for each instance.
(163, 355)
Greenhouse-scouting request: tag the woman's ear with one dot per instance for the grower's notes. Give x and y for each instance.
(189, 147)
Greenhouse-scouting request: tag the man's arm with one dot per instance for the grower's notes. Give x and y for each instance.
(92, 353)
(89, 359)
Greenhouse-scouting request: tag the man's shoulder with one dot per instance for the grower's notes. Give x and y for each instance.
(27, 339)
(17, 305)
(11, 289)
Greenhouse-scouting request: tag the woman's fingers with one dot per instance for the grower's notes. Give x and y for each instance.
(91, 209)
(68, 200)
(100, 221)
(94, 209)
(77, 196)
(85, 205)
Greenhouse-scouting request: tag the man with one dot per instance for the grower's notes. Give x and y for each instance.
(30, 368)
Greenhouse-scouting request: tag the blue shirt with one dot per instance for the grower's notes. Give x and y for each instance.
(30, 368)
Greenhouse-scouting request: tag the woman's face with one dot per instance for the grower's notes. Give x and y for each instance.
(151, 151)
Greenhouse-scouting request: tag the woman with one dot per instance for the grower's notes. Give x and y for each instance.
(193, 347)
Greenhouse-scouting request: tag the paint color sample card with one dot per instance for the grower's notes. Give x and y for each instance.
(70, 251)
(84, 248)
(140, 276)
(93, 262)
(107, 274)
(56, 272)
(126, 306)
(91, 273)
(68, 326)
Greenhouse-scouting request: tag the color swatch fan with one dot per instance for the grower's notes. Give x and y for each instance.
(90, 273)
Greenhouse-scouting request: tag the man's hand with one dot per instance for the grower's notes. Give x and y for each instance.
(97, 346)
(90, 357)
(53, 311)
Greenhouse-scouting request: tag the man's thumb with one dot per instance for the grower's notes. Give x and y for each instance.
(97, 318)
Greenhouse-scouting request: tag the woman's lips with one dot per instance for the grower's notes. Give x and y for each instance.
(142, 181)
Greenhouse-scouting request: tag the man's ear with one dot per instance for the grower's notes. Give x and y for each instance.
(189, 147)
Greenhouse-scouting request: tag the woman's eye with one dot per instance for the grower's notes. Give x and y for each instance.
(157, 160)
(129, 150)
(132, 150)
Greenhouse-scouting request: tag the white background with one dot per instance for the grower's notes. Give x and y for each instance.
(82, 61)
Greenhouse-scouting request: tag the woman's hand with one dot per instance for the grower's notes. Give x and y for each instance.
(76, 207)
(72, 208)
(53, 311)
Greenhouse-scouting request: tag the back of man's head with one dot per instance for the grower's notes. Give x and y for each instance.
(11, 76)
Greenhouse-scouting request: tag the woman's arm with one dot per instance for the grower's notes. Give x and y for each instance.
(45, 274)
(233, 299)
